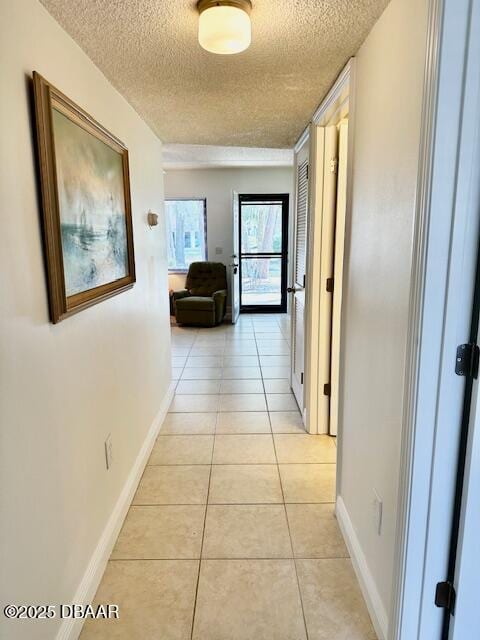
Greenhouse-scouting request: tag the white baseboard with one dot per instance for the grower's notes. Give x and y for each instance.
(70, 629)
(367, 584)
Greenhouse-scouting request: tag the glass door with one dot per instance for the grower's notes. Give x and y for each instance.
(263, 231)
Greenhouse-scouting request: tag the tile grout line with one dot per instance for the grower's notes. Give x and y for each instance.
(290, 537)
(203, 532)
(184, 364)
(206, 498)
(264, 391)
(235, 464)
(226, 504)
(229, 559)
(237, 411)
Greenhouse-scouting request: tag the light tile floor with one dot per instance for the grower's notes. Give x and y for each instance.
(231, 534)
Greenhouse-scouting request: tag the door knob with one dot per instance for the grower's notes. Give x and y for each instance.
(292, 289)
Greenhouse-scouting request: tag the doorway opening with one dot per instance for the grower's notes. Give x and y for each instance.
(322, 190)
(263, 254)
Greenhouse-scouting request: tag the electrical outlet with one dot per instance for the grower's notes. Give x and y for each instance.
(377, 512)
(108, 451)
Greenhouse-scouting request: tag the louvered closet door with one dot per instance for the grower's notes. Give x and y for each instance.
(301, 223)
(299, 266)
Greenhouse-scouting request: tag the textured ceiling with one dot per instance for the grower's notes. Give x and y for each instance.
(197, 156)
(262, 97)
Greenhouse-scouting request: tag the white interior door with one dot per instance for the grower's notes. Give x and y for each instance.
(467, 611)
(234, 265)
(299, 267)
(338, 272)
(327, 249)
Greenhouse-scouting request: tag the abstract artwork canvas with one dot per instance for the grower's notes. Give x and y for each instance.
(92, 207)
(86, 205)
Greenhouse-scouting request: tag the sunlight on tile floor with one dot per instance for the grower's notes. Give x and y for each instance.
(231, 534)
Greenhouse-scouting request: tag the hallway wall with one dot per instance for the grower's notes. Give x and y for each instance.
(64, 388)
(389, 83)
(217, 186)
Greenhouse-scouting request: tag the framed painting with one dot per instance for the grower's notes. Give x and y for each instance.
(87, 218)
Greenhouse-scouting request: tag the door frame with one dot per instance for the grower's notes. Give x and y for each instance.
(338, 102)
(321, 253)
(234, 274)
(284, 198)
(443, 269)
(338, 271)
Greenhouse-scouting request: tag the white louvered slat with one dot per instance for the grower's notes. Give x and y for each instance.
(300, 244)
(301, 222)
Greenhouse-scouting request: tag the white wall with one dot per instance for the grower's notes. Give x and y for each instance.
(390, 69)
(217, 185)
(64, 388)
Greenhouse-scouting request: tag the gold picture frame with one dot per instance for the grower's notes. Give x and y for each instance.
(86, 205)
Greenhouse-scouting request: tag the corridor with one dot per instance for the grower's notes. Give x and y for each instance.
(231, 534)
(185, 162)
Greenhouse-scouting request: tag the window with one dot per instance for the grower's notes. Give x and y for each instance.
(186, 232)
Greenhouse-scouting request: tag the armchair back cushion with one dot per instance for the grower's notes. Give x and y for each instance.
(204, 278)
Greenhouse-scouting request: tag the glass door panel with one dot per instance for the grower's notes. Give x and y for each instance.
(263, 229)
(261, 281)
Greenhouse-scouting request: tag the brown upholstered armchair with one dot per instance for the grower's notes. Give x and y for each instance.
(204, 300)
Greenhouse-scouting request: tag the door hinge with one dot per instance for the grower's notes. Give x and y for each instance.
(304, 280)
(301, 378)
(445, 596)
(466, 361)
(307, 169)
(333, 165)
(327, 389)
(330, 284)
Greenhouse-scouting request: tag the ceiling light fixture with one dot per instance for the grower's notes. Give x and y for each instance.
(224, 25)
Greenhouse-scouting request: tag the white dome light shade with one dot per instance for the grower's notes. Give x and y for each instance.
(224, 28)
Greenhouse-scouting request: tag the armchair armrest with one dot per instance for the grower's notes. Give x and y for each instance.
(220, 300)
(218, 295)
(183, 293)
